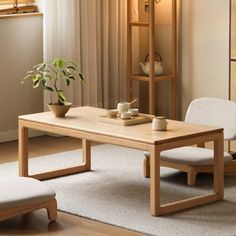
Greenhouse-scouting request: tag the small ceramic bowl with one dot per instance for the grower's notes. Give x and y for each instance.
(133, 111)
(112, 113)
(125, 115)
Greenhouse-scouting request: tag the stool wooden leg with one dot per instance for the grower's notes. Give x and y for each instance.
(52, 210)
(192, 175)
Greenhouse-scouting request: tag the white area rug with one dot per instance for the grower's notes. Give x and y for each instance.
(115, 192)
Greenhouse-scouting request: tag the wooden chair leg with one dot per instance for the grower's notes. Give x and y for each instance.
(52, 210)
(146, 167)
(192, 175)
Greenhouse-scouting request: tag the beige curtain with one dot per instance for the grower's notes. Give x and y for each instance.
(93, 33)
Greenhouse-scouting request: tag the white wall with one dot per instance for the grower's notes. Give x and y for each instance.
(204, 51)
(21, 47)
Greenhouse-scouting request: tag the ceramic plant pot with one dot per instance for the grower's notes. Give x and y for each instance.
(59, 110)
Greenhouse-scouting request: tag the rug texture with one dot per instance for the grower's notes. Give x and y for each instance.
(115, 192)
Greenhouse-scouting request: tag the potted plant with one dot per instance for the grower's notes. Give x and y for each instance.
(49, 75)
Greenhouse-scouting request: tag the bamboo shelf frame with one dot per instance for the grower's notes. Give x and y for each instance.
(152, 79)
(232, 60)
(232, 53)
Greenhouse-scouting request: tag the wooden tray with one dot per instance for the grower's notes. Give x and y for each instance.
(134, 120)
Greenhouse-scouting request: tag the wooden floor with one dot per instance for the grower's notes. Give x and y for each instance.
(37, 222)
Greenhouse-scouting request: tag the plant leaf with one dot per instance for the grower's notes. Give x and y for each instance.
(47, 76)
(81, 76)
(36, 83)
(48, 88)
(26, 77)
(58, 62)
(67, 82)
(40, 66)
(31, 72)
(61, 98)
(37, 77)
(71, 67)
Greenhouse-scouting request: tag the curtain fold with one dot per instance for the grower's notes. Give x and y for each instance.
(92, 33)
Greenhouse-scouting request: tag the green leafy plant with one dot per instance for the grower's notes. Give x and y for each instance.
(52, 73)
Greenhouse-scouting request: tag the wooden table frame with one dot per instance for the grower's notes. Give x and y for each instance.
(218, 186)
(156, 209)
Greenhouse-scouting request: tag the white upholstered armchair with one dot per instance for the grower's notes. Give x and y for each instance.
(193, 160)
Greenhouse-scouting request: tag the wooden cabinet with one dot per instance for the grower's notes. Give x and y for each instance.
(152, 79)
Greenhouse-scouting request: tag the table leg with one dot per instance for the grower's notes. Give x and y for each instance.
(219, 166)
(23, 151)
(155, 208)
(86, 146)
(146, 167)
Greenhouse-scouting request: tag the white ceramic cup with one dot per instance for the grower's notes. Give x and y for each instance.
(125, 115)
(134, 111)
(159, 123)
(123, 107)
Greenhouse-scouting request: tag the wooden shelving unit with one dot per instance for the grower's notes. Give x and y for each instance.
(232, 58)
(152, 79)
(232, 61)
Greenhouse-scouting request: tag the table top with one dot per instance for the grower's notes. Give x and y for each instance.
(85, 119)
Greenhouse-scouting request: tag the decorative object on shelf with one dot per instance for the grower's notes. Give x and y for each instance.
(158, 68)
(146, 4)
(49, 75)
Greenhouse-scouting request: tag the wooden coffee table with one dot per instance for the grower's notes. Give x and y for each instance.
(82, 123)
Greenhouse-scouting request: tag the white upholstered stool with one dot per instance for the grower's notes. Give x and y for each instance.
(20, 195)
(193, 160)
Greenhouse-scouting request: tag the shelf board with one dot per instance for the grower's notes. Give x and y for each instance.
(139, 23)
(141, 77)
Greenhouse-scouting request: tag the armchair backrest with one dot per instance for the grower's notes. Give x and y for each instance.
(214, 112)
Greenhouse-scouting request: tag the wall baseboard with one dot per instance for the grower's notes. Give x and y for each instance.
(12, 135)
